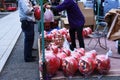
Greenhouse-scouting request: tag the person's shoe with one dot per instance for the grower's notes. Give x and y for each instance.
(34, 49)
(34, 57)
(71, 48)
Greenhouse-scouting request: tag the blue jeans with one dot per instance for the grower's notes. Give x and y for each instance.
(28, 29)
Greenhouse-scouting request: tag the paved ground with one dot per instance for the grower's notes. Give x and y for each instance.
(15, 67)
(2, 15)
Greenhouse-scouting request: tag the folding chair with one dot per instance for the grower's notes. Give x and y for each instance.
(99, 33)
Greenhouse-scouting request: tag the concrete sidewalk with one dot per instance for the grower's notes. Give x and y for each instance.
(12, 65)
(9, 33)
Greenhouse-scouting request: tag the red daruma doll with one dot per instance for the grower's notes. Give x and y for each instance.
(69, 66)
(102, 64)
(37, 13)
(52, 64)
(86, 65)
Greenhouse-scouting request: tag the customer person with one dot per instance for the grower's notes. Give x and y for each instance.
(27, 19)
(75, 18)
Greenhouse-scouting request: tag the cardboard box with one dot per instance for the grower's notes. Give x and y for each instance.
(64, 23)
(114, 31)
(113, 18)
(113, 11)
(81, 5)
(89, 16)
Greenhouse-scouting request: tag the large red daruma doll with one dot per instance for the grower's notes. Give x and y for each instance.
(60, 56)
(37, 13)
(86, 65)
(77, 56)
(69, 66)
(52, 64)
(102, 64)
(89, 30)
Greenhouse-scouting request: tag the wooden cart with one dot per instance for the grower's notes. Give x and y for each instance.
(114, 71)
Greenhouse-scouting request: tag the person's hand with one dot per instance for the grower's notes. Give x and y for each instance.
(36, 6)
(47, 6)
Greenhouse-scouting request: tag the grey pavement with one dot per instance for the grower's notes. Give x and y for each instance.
(12, 65)
(9, 33)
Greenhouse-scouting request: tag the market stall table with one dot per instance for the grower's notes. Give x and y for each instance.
(114, 71)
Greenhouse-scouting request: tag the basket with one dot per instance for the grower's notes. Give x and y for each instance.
(47, 42)
(59, 39)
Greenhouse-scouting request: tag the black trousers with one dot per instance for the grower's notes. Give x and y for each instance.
(28, 29)
(79, 36)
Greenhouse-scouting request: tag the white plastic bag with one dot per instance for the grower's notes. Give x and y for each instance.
(48, 16)
(109, 53)
(116, 43)
(66, 44)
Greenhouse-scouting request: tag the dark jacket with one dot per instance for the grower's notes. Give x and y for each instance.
(75, 16)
